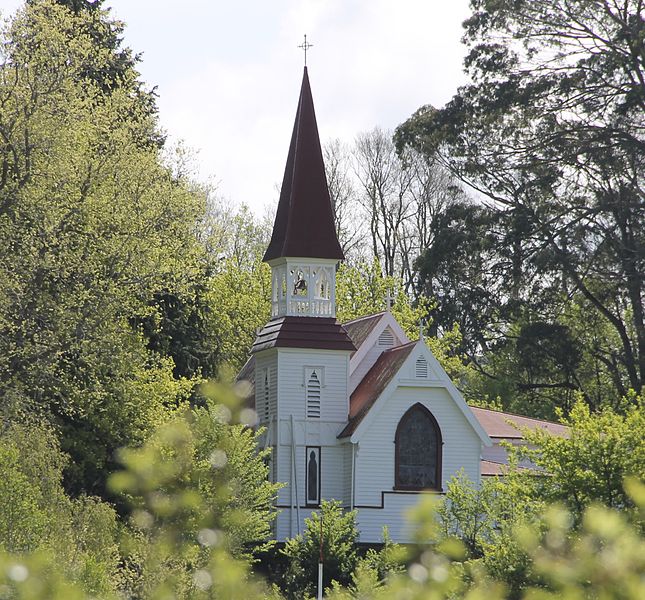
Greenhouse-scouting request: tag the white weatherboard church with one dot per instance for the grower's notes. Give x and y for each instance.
(354, 412)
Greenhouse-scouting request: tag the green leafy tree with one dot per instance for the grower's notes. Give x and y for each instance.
(40, 518)
(485, 518)
(591, 464)
(93, 228)
(339, 551)
(113, 65)
(240, 303)
(454, 269)
(588, 467)
(199, 493)
(550, 131)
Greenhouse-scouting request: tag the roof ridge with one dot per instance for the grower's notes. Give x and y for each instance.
(401, 346)
(364, 317)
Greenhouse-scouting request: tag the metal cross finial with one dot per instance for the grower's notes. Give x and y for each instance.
(305, 46)
(388, 301)
(422, 326)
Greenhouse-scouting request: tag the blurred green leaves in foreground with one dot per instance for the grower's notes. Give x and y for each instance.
(200, 505)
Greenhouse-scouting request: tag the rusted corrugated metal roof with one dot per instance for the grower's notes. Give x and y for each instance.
(360, 328)
(303, 332)
(373, 385)
(304, 222)
(497, 425)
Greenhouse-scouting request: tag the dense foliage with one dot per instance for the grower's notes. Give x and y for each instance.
(124, 285)
(550, 133)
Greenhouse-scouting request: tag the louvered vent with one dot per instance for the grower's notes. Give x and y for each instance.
(313, 396)
(421, 368)
(386, 338)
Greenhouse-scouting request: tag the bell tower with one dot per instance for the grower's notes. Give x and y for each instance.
(302, 353)
(304, 249)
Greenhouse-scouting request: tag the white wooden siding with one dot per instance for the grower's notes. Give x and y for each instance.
(375, 456)
(498, 454)
(347, 476)
(393, 515)
(333, 480)
(334, 403)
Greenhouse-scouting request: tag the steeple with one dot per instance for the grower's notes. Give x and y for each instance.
(304, 223)
(304, 248)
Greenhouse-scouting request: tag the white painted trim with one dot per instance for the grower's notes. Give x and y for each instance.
(299, 259)
(444, 381)
(311, 368)
(295, 473)
(352, 496)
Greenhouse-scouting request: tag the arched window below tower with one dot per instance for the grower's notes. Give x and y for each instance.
(312, 475)
(417, 455)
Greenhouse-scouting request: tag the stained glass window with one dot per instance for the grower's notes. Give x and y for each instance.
(418, 451)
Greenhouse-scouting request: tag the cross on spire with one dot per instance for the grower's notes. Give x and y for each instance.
(305, 46)
(388, 300)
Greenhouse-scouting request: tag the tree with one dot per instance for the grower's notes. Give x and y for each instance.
(591, 465)
(485, 518)
(38, 516)
(93, 228)
(115, 66)
(199, 495)
(240, 303)
(384, 195)
(455, 270)
(399, 196)
(343, 195)
(340, 557)
(551, 129)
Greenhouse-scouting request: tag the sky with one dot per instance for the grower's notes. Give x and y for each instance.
(228, 74)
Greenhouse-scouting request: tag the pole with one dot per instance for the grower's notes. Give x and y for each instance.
(295, 473)
(320, 561)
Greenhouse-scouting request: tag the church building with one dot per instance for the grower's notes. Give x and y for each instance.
(355, 411)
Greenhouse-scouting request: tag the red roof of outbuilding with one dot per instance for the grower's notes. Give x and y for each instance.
(304, 223)
(488, 467)
(373, 385)
(496, 424)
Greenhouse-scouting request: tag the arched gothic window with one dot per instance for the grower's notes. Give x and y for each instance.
(417, 456)
(312, 475)
(322, 284)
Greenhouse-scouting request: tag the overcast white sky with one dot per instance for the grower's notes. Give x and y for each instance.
(228, 73)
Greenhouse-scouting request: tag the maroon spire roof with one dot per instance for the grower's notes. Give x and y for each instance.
(304, 223)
